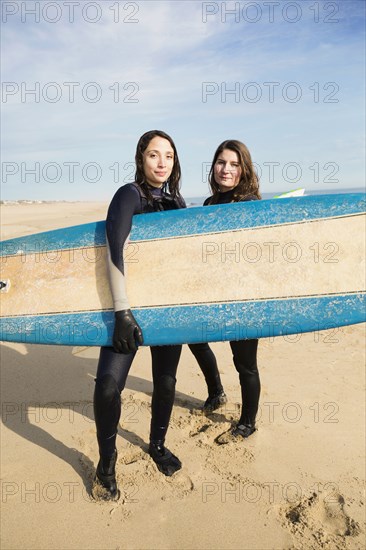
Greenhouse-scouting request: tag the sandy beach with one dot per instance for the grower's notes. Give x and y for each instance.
(297, 483)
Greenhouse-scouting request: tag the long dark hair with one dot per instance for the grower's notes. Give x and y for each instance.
(173, 182)
(249, 181)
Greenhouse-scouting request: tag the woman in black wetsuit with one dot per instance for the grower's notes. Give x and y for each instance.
(156, 187)
(232, 179)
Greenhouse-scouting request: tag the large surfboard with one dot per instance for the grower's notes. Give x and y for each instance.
(224, 272)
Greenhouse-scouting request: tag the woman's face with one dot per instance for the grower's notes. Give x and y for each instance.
(158, 161)
(227, 170)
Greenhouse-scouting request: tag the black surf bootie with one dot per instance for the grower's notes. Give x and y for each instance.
(166, 462)
(105, 483)
(243, 430)
(215, 401)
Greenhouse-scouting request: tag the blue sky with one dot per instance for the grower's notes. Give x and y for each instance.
(295, 69)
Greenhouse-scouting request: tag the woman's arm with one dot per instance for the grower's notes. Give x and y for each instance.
(125, 203)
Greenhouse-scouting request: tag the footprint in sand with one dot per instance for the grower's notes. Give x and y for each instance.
(322, 519)
(207, 431)
(132, 454)
(180, 485)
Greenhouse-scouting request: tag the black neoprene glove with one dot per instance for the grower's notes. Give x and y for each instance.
(127, 335)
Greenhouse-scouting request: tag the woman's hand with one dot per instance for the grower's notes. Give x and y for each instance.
(127, 334)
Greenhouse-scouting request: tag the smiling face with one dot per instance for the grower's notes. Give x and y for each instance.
(158, 161)
(227, 170)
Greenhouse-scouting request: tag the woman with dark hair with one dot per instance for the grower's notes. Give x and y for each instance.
(232, 178)
(156, 187)
(232, 171)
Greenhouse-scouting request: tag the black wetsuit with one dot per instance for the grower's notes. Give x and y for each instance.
(113, 367)
(244, 356)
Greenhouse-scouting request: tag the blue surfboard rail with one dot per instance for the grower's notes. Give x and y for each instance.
(195, 221)
(213, 323)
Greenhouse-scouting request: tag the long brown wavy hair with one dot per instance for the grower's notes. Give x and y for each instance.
(173, 182)
(249, 181)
